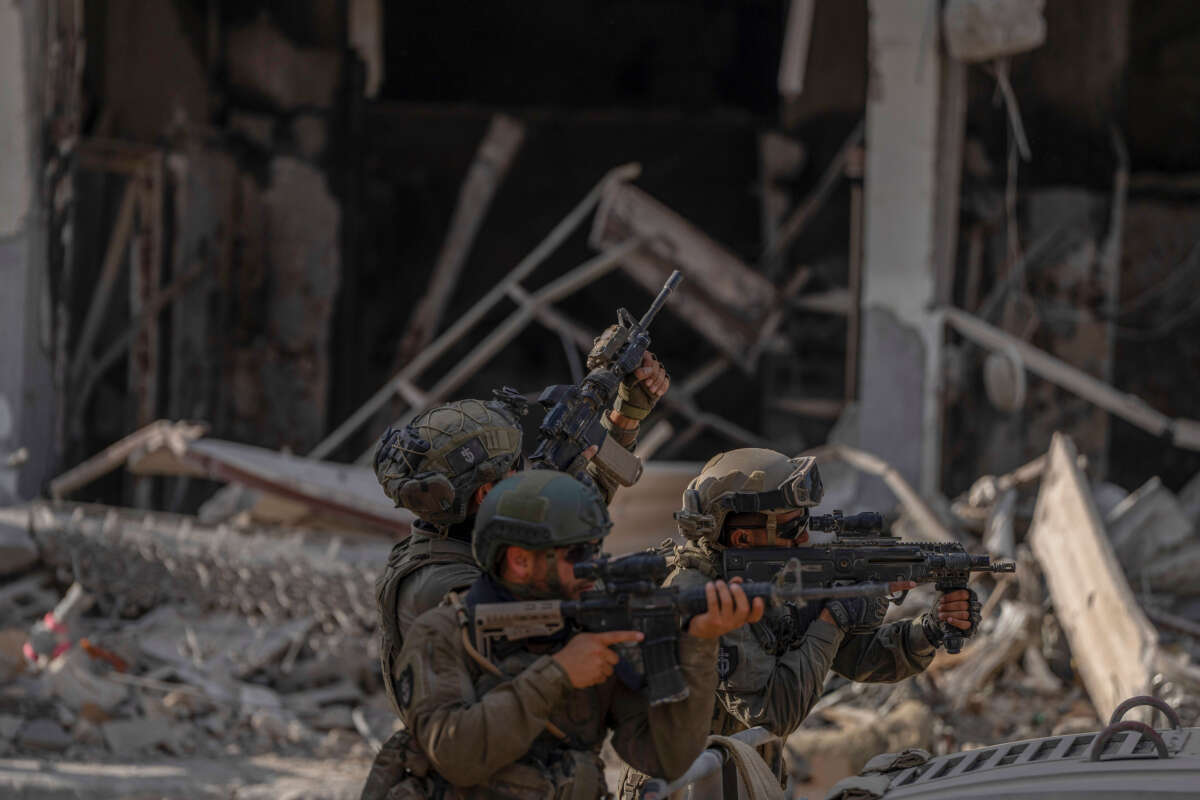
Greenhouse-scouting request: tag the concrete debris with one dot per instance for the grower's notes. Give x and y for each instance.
(1145, 526)
(9, 725)
(43, 734)
(72, 683)
(17, 550)
(127, 737)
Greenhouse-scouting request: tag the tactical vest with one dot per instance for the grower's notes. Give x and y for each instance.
(414, 552)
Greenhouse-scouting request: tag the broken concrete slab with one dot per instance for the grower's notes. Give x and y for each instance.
(43, 734)
(17, 550)
(127, 737)
(1175, 572)
(1145, 525)
(1114, 645)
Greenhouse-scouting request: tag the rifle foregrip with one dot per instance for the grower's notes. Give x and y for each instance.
(660, 658)
(952, 638)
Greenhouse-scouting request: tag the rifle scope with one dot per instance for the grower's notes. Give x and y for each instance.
(634, 567)
(868, 523)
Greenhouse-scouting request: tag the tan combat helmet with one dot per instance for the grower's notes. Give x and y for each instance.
(433, 465)
(750, 480)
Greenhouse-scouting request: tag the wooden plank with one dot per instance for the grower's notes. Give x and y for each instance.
(721, 294)
(1111, 640)
(495, 156)
(1126, 406)
(794, 60)
(831, 301)
(817, 407)
(157, 434)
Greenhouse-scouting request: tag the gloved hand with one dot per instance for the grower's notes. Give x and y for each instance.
(641, 389)
(959, 609)
(857, 614)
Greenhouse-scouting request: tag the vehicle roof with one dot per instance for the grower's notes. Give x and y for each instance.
(1059, 767)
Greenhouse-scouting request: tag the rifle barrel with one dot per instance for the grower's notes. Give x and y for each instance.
(663, 293)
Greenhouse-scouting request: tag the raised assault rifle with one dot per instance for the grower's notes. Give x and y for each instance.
(631, 598)
(573, 412)
(861, 552)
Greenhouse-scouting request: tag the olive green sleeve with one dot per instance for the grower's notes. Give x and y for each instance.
(468, 739)
(665, 739)
(891, 653)
(778, 692)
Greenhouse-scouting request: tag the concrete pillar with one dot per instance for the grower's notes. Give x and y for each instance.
(26, 389)
(900, 369)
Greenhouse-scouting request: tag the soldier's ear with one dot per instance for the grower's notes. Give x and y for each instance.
(518, 564)
(480, 493)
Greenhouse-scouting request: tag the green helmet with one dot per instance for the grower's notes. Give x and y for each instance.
(538, 509)
(433, 465)
(750, 480)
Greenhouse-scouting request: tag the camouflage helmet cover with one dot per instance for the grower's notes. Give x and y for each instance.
(751, 479)
(538, 509)
(433, 465)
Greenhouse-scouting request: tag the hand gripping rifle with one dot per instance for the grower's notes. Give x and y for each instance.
(861, 552)
(572, 422)
(632, 599)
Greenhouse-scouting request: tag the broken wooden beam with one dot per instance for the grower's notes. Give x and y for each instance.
(1181, 432)
(172, 435)
(720, 298)
(1111, 640)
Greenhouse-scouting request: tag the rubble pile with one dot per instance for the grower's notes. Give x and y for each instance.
(180, 639)
(130, 637)
(1035, 667)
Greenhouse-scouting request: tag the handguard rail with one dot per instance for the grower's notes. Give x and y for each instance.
(708, 765)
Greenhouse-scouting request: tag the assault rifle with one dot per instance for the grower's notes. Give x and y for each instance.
(573, 413)
(861, 552)
(631, 598)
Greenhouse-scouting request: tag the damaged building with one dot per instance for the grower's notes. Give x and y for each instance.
(950, 248)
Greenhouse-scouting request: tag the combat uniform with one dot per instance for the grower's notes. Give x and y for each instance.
(511, 725)
(772, 672)
(476, 728)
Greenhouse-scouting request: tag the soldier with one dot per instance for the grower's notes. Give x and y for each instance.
(441, 465)
(772, 672)
(529, 722)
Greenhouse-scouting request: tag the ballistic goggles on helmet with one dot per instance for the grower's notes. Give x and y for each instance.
(800, 490)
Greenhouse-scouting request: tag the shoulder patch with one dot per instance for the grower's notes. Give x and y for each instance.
(404, 688)
(727, 661)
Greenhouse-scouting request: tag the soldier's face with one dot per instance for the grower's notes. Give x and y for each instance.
(750, 530)
(559, 573)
